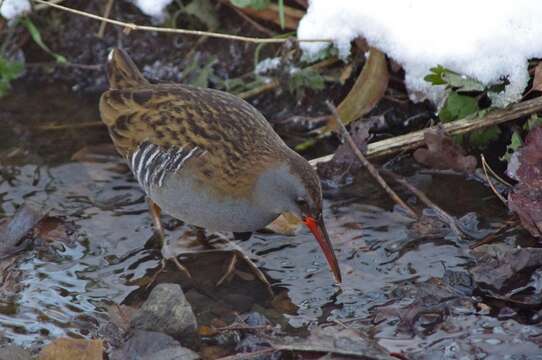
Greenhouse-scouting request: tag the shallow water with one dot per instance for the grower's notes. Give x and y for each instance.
(66, 285)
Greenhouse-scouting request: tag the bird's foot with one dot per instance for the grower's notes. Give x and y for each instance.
(239, 253)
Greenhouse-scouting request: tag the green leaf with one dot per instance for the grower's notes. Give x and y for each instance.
(9, 70)
(303, 79)
(461, 83)
(515, 143)
(255, 4)
(204, 11)
(36, 36)
(281, 14)
(482, 138)
(435, 77)
(534, 121)
(458, 107)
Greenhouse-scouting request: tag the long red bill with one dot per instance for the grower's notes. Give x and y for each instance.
(318, 229)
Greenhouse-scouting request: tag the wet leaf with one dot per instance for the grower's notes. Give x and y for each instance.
(497, 268)
(339, 341)
(443, 153)
(367, 91)
(13, 231)
(283, 304)
(147, 345)
(525, 166)
(69, 349)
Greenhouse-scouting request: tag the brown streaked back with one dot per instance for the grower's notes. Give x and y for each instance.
(122, 73)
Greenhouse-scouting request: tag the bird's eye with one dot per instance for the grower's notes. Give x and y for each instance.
(303, 205)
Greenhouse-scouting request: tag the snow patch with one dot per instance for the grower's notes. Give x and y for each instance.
(484, 39)
(267, 64)
(12, 9)
(153, 8)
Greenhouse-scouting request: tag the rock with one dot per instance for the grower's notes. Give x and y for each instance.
(167, 311)
(14, 352)
(151, 345)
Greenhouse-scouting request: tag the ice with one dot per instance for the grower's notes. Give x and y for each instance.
(484, 39)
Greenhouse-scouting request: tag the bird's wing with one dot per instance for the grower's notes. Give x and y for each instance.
(183, 118)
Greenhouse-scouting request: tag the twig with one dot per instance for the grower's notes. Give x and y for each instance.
(135, 27)
(491, 237)
(485, 166)
(441, 214)
(415, 139)
(107, 12)
(372, 170)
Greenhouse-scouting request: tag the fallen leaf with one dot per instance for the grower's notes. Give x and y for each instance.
(537, 79)
(525, 166)
(285, 224)
(69, 349)
(366, 92)
(497, 269)
(339, 341)
(443, 153)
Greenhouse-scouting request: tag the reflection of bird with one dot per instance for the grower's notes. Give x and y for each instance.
(207, 157)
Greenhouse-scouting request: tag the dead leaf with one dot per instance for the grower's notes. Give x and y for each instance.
(69, 349)
(367, 91)
(537, 79)
(333, 340)
(443, 153)
(525, 166)
(283, 304)
(286, 224)
(498, 269)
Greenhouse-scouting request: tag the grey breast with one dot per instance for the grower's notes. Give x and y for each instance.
(162, 174)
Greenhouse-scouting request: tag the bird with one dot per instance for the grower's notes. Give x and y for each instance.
(207, 157)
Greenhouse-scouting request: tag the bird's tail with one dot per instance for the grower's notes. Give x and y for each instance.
(122, 73)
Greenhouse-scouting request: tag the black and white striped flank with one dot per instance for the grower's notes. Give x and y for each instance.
(151, 163)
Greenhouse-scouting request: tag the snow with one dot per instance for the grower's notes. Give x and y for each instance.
(484, 39)
(267, 65)
(153, 8)
(12, 9)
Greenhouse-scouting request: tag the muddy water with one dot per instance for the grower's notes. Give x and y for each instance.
(54, 156)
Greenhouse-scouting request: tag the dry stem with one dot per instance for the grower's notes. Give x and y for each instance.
(372, 170)
(133, 27)
(415, 139)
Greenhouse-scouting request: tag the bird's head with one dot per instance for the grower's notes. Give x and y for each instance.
(295, 188)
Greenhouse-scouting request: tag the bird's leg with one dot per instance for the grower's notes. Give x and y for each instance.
(238, 252)
(155, 211)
